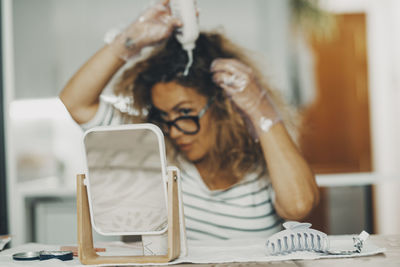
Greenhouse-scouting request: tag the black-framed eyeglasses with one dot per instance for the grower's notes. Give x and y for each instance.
(185, 124)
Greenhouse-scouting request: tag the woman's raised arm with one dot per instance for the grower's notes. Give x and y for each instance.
(291, 177)
(81, 94)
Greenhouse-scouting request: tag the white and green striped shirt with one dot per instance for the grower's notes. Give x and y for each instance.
(244, 210)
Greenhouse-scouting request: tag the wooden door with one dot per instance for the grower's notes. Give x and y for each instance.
(335, 135)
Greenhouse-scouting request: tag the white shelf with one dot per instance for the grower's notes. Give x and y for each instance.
(356, 179)
(45, 187)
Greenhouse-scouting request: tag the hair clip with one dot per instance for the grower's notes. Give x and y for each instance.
(300, 237)
(297, 237)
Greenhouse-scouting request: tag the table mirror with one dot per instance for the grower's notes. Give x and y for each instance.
(126, 179)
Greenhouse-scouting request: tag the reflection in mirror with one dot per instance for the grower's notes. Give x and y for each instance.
(126, 191)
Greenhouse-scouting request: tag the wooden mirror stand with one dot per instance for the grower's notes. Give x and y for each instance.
(87, 254)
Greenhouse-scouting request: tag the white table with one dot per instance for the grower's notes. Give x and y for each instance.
(390, 258)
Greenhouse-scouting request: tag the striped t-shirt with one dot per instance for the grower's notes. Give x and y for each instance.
(244, 210)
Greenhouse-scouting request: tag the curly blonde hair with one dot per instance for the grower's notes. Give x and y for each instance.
(234, 149)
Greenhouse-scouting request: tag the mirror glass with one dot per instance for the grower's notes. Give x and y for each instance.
(126, 191)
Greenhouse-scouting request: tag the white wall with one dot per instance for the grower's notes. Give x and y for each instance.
(384, 52)
(53, 38)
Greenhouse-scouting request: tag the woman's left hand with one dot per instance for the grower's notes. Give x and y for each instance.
(240, 83)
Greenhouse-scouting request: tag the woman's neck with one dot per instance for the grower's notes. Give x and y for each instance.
(215, 180)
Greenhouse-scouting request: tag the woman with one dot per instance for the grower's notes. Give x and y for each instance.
(241, 172)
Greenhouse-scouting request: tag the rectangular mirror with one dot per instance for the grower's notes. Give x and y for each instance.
(126, 179)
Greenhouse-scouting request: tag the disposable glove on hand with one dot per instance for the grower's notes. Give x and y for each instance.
(240, 83)
(153, 26)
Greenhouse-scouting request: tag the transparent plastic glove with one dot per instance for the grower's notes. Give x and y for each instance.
(240, 83)
(153, 26)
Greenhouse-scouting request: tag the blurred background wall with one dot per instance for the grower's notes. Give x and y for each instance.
(338, 65)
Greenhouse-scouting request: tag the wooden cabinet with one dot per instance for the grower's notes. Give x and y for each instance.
(335, 136)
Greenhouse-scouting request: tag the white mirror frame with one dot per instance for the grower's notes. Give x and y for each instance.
(161, 147)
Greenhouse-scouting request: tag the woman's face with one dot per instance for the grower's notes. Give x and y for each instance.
(174, 100)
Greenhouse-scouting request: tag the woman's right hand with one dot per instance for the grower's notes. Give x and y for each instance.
(81, 94)
(151, 27)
